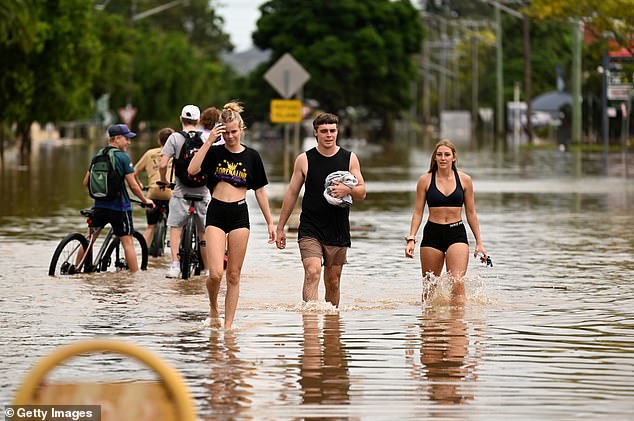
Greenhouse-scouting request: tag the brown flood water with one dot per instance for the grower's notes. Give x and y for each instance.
(548, 332)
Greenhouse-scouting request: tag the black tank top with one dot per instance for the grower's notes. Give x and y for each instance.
(435, 198)
(327, 223)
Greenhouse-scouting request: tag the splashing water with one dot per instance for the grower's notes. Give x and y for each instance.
(438, 290)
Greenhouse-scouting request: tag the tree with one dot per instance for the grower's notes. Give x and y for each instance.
(612, 16)
(195, 19)
(51, 80)
(170, 72)
(358, 52)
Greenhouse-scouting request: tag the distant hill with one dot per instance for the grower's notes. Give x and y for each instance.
(245, 61)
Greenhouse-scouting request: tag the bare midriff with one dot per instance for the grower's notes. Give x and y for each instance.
(225, 192)
(445, 215)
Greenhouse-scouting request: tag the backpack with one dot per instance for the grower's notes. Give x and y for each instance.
(104, 181)
(193, 143)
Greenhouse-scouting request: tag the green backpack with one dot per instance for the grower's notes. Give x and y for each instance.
(104, 181)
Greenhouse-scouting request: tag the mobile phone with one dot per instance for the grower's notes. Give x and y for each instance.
(219, 138)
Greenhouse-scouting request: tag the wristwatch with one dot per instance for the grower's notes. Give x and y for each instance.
(409, 238)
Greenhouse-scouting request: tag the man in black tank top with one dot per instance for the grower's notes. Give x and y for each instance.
(324, 229)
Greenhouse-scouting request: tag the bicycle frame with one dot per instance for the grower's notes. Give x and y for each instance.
(94, 263)
(190, 243)
(74, 253)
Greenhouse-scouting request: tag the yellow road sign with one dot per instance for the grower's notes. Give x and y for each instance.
(286, 111)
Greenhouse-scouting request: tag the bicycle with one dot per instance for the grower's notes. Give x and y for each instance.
(74, 254)
(156, 247)
(189, 248)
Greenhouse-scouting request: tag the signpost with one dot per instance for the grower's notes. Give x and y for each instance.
(286, 111)
(287, 77)
(127, 114)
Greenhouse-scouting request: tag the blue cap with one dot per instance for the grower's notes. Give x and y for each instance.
(120, 130)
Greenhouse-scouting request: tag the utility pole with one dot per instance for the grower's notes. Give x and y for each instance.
(577, 28)
(499, 68)
(499, 72)
(605, 123)
(474, 82)
(528, 82)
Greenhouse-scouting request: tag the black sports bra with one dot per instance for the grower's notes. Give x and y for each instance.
(435, 198)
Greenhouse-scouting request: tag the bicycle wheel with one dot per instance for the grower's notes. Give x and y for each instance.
(67, 253)
(114, 257)
(157, 247)
(187, 249)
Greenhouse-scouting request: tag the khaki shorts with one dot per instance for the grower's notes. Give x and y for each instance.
(179, 211)
(330, 255)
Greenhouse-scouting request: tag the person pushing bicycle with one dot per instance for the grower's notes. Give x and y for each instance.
(117, 211)
(149, 163)
(179, 205)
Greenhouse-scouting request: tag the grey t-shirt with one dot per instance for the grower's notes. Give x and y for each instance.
(172, 149)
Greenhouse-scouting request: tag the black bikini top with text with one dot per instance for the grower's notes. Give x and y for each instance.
(435, 198)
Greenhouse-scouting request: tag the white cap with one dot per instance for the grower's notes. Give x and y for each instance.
(191, 112)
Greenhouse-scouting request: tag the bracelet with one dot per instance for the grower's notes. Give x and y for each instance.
(409, 238)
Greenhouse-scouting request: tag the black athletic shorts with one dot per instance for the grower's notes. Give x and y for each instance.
(441, 236)
(228, 216)
(153, 214)
(121, 221)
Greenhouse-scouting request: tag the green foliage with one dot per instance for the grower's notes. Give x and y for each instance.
(613, 17)
(358, 53)
(551, 48)
(15, 28)
(51, 78)
(169, 73)
(59, 56)
(195, 19)
(118, 44)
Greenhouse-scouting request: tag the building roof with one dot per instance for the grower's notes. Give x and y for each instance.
(551, 101)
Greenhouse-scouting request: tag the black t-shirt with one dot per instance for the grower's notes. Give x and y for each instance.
(242, 169)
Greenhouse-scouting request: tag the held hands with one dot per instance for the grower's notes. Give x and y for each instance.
(272, 234)
(280, 239)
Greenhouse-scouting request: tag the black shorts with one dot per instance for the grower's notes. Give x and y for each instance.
(228, 216)
(120, 221)
(153, 214)
(441, 236)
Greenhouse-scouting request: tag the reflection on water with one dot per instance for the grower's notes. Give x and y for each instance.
(547, 332)
(324, 375)
(445, 354)
(227, 385)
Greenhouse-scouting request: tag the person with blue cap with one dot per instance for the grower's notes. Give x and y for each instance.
(114, 208)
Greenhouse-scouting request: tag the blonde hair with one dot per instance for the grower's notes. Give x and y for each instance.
(231, 112)
(433, 165)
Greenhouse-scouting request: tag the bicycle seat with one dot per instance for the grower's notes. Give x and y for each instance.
(87, 212)
(193, 197)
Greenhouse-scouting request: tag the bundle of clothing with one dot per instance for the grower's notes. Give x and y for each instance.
(344, 177)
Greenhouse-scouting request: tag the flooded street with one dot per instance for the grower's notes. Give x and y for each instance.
(548, 332)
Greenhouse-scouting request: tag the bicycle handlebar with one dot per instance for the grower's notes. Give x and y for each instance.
(143, 205)
(164, 184)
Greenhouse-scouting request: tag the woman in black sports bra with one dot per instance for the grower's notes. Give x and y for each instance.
(444, 242)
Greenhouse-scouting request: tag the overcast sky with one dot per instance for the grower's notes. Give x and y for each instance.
(240, 17)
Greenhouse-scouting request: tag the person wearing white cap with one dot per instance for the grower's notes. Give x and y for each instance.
(179, 206)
